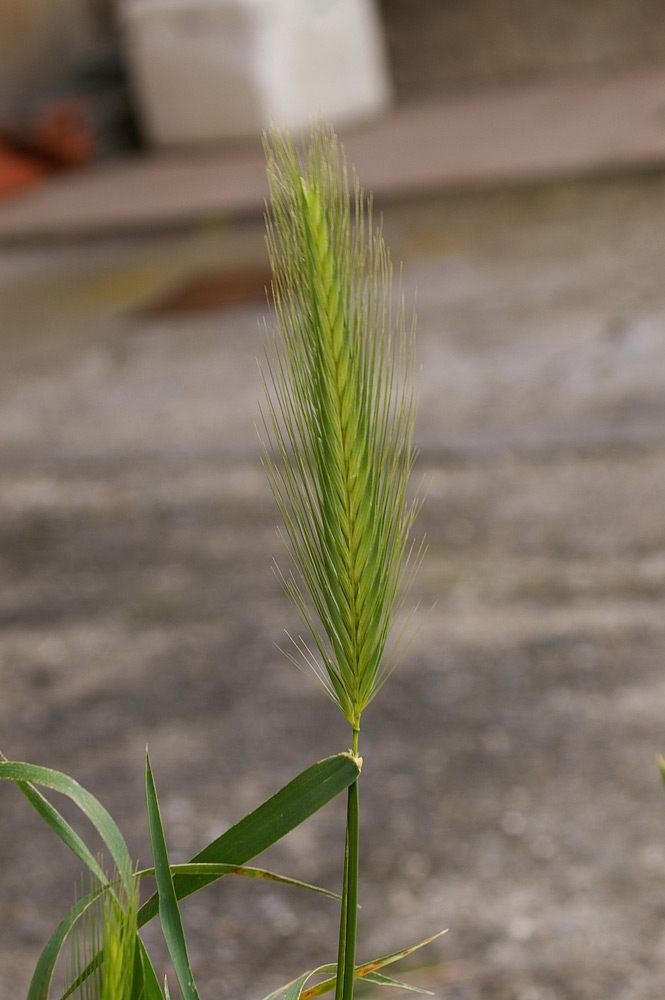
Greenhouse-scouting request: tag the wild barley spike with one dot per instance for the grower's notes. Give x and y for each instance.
(339, 420)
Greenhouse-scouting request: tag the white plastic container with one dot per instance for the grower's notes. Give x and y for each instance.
(210, 70)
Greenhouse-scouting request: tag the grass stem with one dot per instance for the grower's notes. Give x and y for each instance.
(339, 448)
(346, 957)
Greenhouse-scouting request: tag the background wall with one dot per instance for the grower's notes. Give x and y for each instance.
(440, 45)
(49, 48)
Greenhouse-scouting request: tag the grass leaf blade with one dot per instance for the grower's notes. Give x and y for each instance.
(99, 817)
(169, 912)
(219, 870)
(60, 827)
(146, 984)
(294, 991)
(379, 980)
(267, 824)
(367, 968)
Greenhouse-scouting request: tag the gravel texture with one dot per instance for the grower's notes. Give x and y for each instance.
(510, 790)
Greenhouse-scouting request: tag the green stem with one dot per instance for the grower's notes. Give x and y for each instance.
(346, 958)
(341, 949)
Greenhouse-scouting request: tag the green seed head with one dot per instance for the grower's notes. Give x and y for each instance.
(339, 419)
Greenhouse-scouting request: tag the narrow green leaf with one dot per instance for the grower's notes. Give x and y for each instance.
(324, 969)
(219, 870)
(43, 974)
(379, 980)
(26, 776)
(89, 806)
(61, 827)
(271, 821)
(294, 803)
(146, 984)
(379, 963)
(295, 989)
(362, 971)
(169, 913)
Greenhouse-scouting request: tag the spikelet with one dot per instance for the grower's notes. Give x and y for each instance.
(339, 419)
(106, 929)
(118, 947)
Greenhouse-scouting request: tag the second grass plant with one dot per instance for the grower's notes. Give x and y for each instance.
(339, 442)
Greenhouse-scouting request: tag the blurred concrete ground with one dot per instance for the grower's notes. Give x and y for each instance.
(509, 789)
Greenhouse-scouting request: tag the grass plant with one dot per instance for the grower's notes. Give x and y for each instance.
(339, 442)
(338, 432)
(107, 928)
